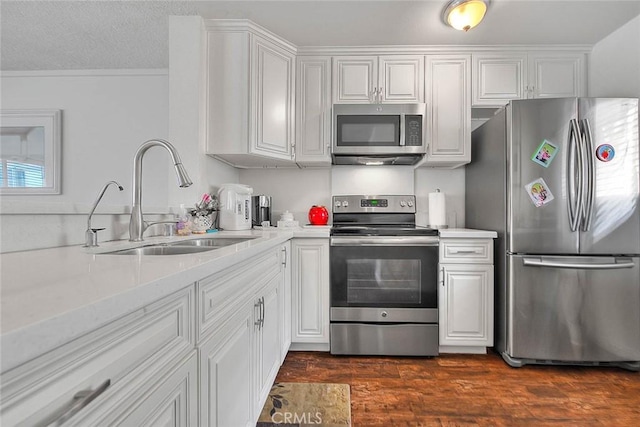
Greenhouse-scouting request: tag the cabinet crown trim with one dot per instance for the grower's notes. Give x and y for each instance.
(436, 49)
(227, 25)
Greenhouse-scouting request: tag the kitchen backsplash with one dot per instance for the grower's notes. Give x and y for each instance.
(296, 190)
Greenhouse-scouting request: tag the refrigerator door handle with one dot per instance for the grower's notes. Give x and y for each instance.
(574, 160)
(541, 262)
(590, 163)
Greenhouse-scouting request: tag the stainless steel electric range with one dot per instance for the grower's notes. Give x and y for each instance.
(384, 275)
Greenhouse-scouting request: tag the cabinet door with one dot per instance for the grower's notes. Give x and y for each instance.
(272, 70)
(310, 292)
(448, 110)
(499, 78)
(313, 111)
(226, 393)
(354, 79)
(173, 402)
(465, 302)
(267, 329)
(285, 301)
(401, 78)
(556, 75)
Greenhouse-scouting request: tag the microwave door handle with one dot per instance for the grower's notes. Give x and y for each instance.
(402, 135)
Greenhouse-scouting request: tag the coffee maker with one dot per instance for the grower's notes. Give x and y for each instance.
(261, 209)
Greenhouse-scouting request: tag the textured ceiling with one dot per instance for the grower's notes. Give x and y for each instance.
(58, 35)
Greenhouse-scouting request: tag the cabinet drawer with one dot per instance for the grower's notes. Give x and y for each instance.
(466, 251)
(42, 390)
(220, 294)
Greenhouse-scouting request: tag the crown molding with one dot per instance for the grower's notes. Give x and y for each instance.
(87, 73)
(436, 49)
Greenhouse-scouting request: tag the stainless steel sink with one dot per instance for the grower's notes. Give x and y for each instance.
(161, 250)
(211, 242)
(182, 247)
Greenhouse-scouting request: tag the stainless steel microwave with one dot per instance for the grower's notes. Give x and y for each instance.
(373, 134)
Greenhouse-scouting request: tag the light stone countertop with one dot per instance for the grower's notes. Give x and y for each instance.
(50, 296)
(466, 233)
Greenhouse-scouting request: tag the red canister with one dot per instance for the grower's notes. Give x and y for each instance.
(318, 215)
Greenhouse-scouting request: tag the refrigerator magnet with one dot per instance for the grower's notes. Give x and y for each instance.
(539, 192)
(605, 152)
(545, 153)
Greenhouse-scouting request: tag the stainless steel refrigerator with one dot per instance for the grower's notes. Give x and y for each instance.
(559, 180)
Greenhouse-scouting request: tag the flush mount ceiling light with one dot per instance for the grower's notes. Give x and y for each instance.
(464, 14)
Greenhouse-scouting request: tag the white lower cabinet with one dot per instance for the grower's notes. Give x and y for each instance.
(134, 364)
(266, 340)
(168, 401)
(241, 329)
(206, 355)
(225, 373)
(285, 300)
(465, 295)
(310, 294)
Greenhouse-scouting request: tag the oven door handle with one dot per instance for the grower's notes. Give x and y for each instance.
(385, 241)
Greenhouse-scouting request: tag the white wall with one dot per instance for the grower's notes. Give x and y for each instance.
(106, 115)
(187, 74)
(615, 63)
(293, 190)
(448, 181)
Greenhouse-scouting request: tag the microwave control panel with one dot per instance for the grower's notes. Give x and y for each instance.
(413, 130)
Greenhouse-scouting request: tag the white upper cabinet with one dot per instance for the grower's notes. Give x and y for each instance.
(448, 110)
(497, 78)
(501, 77)
(313, 111)
(373, 79)
(401, 79)
(250, 85)
(556, 75)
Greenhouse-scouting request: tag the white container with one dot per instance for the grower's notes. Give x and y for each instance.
(235, 207)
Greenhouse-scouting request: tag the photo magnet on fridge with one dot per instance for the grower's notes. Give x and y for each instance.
(545, 153)
(539, 192)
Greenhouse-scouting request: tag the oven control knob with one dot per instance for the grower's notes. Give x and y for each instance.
(345, 204)
(338, 204)
(403, 203)
(410, 203)
(384, 314)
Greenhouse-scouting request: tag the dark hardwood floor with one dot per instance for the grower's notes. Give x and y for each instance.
(472, 390)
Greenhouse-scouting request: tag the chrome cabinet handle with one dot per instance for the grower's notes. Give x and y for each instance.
(464, 251)
(380, 91)
(258, 321)
(261, 312)
(441, 274)
(284, 256)
(80, 400)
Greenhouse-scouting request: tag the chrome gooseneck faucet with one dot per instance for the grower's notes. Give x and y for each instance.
(91, 235)
(137, 225)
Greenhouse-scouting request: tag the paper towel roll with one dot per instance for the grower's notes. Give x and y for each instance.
(437, 210)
